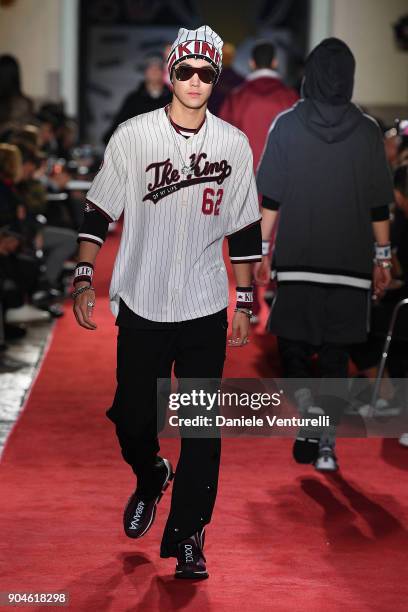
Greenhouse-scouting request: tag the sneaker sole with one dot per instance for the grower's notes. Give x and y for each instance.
(128, 532)
(321, 469)
(326, 469)
(191, 575)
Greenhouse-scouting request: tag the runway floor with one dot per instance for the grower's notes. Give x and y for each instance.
(283, 537)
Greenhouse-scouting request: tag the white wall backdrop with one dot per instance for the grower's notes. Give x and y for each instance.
(382, 70)
(366, 26)
(30, 30)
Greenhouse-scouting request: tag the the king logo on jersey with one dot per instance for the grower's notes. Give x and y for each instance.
(165, 178)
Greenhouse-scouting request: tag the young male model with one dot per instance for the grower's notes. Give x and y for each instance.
(184, 180)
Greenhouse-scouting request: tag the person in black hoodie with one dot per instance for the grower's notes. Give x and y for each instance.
(324, 169)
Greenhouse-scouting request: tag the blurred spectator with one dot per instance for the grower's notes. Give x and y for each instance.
(30, 134)
(166, 73)
(402, 152)
(367, 356)
(8, 245)
(10, 172)
(229, 80)
(18, 271)
(255, 104)
(391, 143)
(58, 244)
(399, 232)
(151, 94)
(57, 132)
(15, 107)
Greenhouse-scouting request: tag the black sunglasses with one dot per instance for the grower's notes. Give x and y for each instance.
(186, 72)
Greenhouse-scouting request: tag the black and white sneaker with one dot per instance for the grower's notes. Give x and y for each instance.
(140, 511)
(326, 460)
(190, 558)
(305, 449)
(306, 446)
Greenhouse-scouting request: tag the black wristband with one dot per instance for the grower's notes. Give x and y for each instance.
(83, 272)
(245, 297)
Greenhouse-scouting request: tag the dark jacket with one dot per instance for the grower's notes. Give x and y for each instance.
(137, 102)
(9, 202)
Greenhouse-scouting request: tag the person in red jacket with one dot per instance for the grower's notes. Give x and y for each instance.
(253, 106)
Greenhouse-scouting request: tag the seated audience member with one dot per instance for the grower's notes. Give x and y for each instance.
(58, 244)
(57, 132)
(8, 245)
(19, 270)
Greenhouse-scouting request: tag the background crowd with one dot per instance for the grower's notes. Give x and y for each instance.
(41, 208)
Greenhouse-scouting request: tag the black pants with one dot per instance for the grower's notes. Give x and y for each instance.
(332, 364)
(197, 349)
(296, 359)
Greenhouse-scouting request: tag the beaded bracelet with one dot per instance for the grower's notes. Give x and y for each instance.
(383, 263)
(77, 292)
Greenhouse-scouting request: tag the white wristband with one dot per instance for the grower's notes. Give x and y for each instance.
(83, 271)
(265, 247)
(246, 297)
(382, 251)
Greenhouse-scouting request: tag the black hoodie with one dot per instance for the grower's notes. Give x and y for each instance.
(324, 162)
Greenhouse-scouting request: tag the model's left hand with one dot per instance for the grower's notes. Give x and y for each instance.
(240, 330)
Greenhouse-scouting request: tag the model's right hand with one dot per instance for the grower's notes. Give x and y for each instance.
(262, 271)
(82, 311)
(381, 281)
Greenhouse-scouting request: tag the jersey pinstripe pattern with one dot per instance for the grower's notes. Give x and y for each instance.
(169, 265)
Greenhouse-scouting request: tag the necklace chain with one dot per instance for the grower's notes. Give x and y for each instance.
(186, 168)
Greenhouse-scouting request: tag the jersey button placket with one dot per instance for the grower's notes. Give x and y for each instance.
(187, 151)
(174, 279)
(178, 261)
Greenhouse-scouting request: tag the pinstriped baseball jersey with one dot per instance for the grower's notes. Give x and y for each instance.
(169, 265)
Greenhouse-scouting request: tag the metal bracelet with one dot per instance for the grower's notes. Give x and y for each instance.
(245, 311)
(77, 292)
(384, 263)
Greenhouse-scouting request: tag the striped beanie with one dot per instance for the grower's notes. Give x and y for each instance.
(202, 43)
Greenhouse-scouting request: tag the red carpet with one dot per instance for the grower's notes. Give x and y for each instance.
(283, 537)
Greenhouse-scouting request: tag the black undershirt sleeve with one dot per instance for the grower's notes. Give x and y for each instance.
(95, 224)
(269, 203)
(245, 246)
(380, 213)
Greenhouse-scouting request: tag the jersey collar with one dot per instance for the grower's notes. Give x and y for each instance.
(182, 130)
